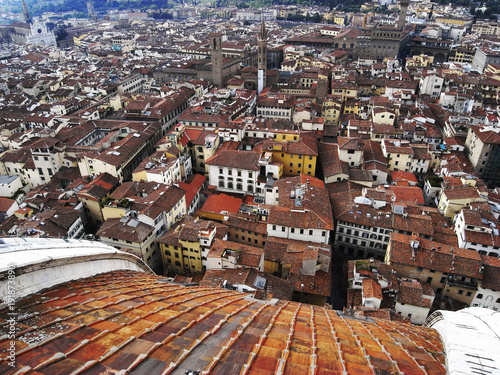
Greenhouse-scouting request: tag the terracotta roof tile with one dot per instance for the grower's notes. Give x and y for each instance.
(371, 289)
(137, 322)
(235, 159)
(221, 202)
(491, 273)
(247, 256)
(435, 256)
(411, 293)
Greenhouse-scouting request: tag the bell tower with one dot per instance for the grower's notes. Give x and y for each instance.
(90, 9)
(216, 51)
(402, 13)
(26, 13)
(262, 64)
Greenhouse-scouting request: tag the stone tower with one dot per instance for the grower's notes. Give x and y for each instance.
(262, 64)
(90, 9)
(216, 50)
(402, 13)
(26, 13)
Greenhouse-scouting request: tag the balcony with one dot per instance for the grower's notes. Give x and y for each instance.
(265, 159)
(456, 281)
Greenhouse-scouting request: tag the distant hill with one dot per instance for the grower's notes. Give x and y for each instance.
(37, 7)
(80, 6)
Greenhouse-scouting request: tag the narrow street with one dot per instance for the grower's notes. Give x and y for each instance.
(339, 292)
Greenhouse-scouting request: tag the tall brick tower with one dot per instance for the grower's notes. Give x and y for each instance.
(262, 64)
(216, 51)
(402, 12)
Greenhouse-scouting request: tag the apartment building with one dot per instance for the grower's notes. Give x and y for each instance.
(297, 153)
(157, 205)
(302, 211)
(131, 143)
(94, 194)
(234, 171)
(452, 200)
(363, 228)
(477, 229)
(158, 168)
(488, 290)
(431, 84)
(399, 154)
(351, 151)
(277, 107)
(451, 271)
(483, 147)
(185, 247)
(128, 233)
(230, 255)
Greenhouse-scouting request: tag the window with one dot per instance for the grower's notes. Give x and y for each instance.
(480, 296)
(429, 280)
(460, 292)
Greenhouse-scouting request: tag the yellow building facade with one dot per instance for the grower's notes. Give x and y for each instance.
(296, 156)
(183, 258)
